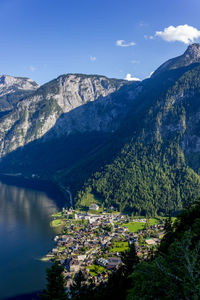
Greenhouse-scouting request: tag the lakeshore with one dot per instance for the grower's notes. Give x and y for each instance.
(25, 215)
(92, 242)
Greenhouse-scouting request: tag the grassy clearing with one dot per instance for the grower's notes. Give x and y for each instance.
(61, 248)
(95, 212)
(154, 221)
(119, 247)
(95, 270)
(135, 226)
(45, 258)
(57, 222)
(57, 215)
(88, 199)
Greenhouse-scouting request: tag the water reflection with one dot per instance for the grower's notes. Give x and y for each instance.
(25, 236)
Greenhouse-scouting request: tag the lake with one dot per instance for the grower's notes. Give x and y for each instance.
(25, 236)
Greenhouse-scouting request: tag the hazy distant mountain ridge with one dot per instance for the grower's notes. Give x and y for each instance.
(9, 84)
(13, 89)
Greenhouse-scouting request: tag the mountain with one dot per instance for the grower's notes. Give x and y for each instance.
(62, 122)
(12, 89)
(131, 145)
(158, 166)
(191, 56)
(35, 115)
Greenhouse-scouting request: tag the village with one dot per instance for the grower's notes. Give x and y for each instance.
(92, 241)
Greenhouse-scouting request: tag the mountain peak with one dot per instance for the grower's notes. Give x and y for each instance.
(193, 51)
(9, 84)
(12, 89)
(190, 56)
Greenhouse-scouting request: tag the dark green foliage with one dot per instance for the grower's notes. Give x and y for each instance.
(129, 260)
(168, 224)
(55, 284)
(119, 281)
(152, 172)
(174, 273)
(145, 179)
(79, 290)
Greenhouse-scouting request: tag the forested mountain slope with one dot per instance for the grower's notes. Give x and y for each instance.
(174, 272)
(135, 146)
(159, 164)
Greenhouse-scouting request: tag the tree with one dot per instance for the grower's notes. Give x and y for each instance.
(174, 272)
(175, 275)
(55, 289)
(119, 282)
(168, 224)
(129, 259)
(79, 289)
(147, 224)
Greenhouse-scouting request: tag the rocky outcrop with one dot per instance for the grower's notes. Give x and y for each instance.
(12, 89)
(190, 56)
(68, 104)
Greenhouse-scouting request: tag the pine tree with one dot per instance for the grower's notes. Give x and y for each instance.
(129, 259)
(55, 289)
(79, 289)
(168, 224)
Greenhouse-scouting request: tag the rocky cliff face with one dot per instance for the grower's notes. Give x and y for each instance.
(179, 115)
(68, 104)
(12, 89)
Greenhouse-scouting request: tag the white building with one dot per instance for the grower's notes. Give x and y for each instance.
(94, 206)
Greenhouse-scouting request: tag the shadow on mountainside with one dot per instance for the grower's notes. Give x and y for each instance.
(73, 157)
(75, 137)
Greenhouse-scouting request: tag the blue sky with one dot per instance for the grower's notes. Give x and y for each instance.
(42, 39)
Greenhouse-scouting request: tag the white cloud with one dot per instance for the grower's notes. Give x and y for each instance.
(122, 43)
(32, 68)
(135, 61)
(150, 37)
(93, 58)
(129, 78)
(182, 33)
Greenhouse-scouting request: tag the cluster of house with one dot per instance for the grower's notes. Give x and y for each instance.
(151, 239)
(88, 240)
(109, 263)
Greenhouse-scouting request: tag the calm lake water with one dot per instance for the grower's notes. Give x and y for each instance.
(25, 236)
